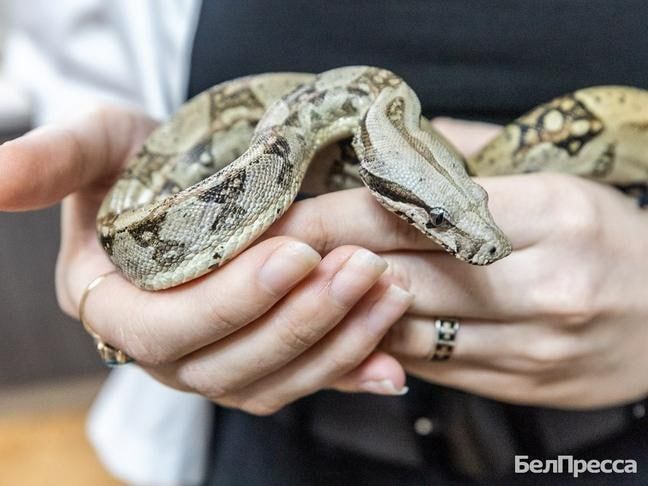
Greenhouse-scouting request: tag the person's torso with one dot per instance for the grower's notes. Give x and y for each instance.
(464, 58)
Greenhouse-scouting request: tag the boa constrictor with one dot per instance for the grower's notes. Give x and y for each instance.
(182, 207)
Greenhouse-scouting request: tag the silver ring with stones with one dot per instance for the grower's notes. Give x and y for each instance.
(446, 338)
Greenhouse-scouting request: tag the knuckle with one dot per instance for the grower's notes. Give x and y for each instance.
(552, 351)
(142, 343)
(577, 209)
(310, 223)
(220, 316)
(570, 297)
(296, 335)
(147, 353)
(195, 377)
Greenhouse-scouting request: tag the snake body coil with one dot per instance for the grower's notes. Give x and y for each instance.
(182, 207)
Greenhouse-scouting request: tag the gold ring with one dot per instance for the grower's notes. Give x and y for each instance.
(446, 339)
(110, 355)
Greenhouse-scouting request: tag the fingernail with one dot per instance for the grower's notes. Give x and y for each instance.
(288, 265)
(364, 259)
(383, 387)
(357, 275)
(396, 294)
(391, 306)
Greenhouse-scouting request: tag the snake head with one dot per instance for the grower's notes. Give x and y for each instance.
(464, 227)
(455, 216)
(421, 177)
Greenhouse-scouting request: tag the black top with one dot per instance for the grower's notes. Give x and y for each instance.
(466, 58)
(477, 59)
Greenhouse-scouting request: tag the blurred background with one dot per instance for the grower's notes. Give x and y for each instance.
(49, 372)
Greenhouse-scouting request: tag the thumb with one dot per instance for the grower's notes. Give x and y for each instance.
(45, 165)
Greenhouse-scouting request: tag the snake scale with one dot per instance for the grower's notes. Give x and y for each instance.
(231, 161)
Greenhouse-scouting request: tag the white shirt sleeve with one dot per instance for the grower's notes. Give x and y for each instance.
(148, 434)
(80, 54)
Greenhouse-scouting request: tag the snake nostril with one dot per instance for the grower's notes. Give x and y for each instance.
(492, 250)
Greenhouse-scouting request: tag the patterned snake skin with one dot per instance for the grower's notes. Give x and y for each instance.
(183, 208)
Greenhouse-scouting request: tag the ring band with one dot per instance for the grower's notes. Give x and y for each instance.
(110, 355)
(446, 338)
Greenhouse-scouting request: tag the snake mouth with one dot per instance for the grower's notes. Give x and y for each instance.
(480, 262)
(480, 252)
(489, 253)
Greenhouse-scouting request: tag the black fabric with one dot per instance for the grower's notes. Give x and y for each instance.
(465, 58)
(262, 452)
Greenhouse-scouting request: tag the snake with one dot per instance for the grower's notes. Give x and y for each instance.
(230, 162)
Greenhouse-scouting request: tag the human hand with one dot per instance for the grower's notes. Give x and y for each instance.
(272, 325)
(561, 322)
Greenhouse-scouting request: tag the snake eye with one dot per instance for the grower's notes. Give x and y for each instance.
(438, 218)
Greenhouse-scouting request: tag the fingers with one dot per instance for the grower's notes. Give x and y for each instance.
(355, 217)
(511, 347)
(519, 205)
(445, 286)
(43, 166)
(476, 379)
(416, 337)
(564, 390)
(380, 373)
(157, 327)
(307, 314)
(340, 352)
(333, 219)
